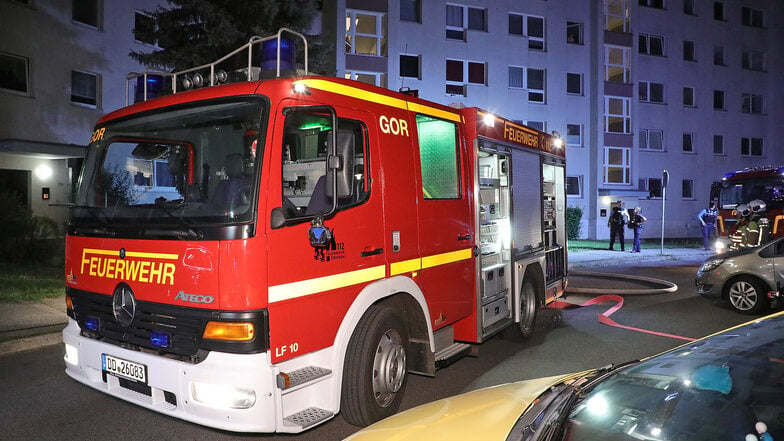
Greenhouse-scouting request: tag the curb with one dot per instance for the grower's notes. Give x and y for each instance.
(46, 336)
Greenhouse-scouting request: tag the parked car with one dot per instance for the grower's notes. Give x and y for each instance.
(722, 387)
(750, 279)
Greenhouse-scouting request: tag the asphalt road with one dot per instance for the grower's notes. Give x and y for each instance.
(40, 402)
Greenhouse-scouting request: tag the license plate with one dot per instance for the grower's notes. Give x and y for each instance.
(124, 368)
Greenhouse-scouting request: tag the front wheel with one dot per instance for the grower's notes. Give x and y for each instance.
(746, 296)
(528, 308)
(374, 374)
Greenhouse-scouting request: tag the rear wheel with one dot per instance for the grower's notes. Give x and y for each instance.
(746, 296)
(374, 374)
(528, 308)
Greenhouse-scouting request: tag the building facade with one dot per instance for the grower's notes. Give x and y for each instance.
(636, 87)
(62, 66)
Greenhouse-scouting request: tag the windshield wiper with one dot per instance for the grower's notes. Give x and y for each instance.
(191, 231)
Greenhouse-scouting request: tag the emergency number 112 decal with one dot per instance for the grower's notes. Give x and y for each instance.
(333, 251)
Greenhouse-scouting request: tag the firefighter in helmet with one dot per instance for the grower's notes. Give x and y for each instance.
(738, 233)
(754, 228)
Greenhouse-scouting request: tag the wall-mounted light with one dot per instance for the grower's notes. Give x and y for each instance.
(43, 172)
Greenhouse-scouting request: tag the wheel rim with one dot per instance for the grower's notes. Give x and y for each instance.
(527, 307)
(389, 367)
(743, 295)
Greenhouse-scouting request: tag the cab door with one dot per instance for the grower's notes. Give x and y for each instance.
(311, 288)
(446, 232)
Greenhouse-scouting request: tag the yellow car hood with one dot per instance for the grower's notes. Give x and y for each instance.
(484, 414)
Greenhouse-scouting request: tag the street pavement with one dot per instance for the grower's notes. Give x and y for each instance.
(33, 324)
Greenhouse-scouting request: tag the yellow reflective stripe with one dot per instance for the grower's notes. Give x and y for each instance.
(130, 254)
(776, 223)
(406, 266)
(443, 259)
(303, 288)
(354, 92)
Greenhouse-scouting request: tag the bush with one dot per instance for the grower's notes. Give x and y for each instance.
(26, 238)
(573, 217)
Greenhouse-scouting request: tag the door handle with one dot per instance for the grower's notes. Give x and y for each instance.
(371, 253)
(466, 236)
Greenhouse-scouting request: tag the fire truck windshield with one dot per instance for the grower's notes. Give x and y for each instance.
(186, 168)
(768, 189)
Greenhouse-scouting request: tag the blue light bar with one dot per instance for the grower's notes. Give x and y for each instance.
(92, 323)
(159, 339)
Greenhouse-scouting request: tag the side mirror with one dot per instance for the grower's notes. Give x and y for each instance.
(342, 165)
(278, 217)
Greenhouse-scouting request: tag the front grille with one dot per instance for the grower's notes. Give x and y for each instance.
(184, 326)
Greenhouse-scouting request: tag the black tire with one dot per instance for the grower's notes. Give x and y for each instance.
(529, 305)
(747, 296)
(374, 374)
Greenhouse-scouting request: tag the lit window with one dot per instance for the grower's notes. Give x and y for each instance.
(616, 15)
(375, 78)
(616, 165)
(438, 158)
(617, 115)
(366, 33)
(617, 64)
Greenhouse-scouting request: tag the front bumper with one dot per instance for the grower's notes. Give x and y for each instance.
(170, 382)
(709, 284)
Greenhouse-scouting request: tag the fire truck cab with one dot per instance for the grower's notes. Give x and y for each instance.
(259, 256)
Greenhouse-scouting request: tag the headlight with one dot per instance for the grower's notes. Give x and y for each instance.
(710, 265)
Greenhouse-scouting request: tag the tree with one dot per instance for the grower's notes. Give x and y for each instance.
(196, 32)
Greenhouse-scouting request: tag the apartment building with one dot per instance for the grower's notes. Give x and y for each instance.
(62, 66)
(636, 87)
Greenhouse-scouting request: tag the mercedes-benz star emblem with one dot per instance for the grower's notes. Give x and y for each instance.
(123, 305)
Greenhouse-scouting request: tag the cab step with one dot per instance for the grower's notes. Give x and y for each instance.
(289, 380)
(452, 353)
(307, 418)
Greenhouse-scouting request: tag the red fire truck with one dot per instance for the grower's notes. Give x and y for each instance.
(744, 186)
(259, 256)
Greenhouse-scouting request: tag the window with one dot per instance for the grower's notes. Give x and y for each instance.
(751, 146)
(653, 185)
(752, 103)
(718, 56)
(538, 125)
(688, 50)
(718, 11)
(366, 33)
(688, 96)
(534, 82)
(753, 17)
(528, 26)
(616, 166)
(753, 60)
(458, 71)
(718, 145)
(84, 88)
(411, 10)
(651, 139)
(374, 78)
(658, 4)
(460, 18)
(651, 92)
(688, 7)
(574, 83)
(574, 186)
(574, 32)
(438, 158)
(617, 115)
(307, 138)
(409, 66)
(144, 28)
(687, 189)
(531, 79)
(651, 44)
(617, 64)
(616, 15)
(718, 99)
(13, 72)
(688, 142)
(86, 11)
(574, 135)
